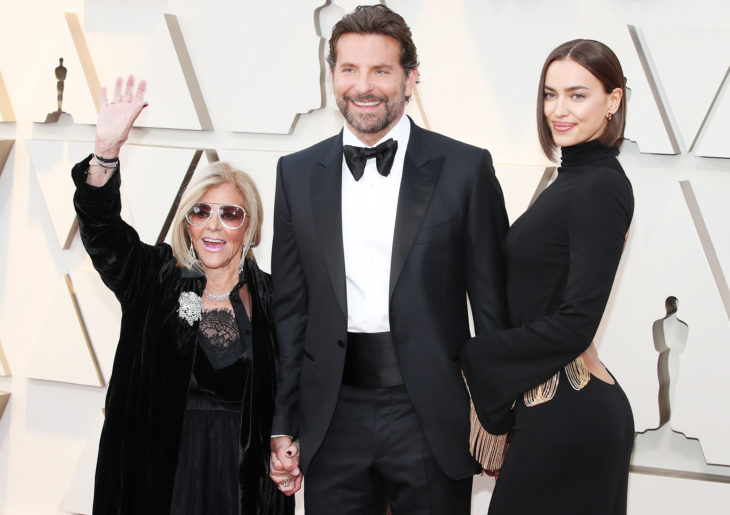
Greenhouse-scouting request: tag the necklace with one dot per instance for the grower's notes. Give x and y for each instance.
(217, 298)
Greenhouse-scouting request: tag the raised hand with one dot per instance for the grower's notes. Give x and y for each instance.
(117, 117)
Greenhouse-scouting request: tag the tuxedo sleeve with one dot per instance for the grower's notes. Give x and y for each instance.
(486, 228)
(290, 310)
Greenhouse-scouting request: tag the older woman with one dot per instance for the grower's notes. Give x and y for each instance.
(572, 429)
(191, 397)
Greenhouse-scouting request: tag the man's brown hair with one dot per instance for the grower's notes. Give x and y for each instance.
(376, 19)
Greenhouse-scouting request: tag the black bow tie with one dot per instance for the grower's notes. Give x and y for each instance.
(384, 154)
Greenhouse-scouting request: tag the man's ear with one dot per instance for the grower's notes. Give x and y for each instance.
(411, 80)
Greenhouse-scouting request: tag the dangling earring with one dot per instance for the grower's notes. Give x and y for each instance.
(244, 253)
(242, 262)
(609, 116)
(191, 257)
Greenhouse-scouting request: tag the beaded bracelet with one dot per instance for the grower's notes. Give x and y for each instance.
(106, 160)
(106, 164)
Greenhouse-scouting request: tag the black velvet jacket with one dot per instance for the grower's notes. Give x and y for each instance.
(147, 392)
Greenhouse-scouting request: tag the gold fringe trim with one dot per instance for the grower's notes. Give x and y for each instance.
(577, 373)
(542, 392)
(578, 376)
(488, 449)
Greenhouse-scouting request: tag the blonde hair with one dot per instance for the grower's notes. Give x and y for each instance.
(214, 175)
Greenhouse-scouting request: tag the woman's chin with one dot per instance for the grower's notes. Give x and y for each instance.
(219, 264)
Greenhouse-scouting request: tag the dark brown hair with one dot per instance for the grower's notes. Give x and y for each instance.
(376, 19)
(600, 60)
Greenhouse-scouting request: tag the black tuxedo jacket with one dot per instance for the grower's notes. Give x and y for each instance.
(449, 240)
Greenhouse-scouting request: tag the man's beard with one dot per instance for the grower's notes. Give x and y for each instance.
(372, 123)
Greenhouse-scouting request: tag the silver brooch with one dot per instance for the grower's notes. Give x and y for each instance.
(190, 306)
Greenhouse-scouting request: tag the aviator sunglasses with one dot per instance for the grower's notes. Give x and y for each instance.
(230, 215)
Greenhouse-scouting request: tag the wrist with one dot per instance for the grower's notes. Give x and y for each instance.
(106, 155)
(107, 150)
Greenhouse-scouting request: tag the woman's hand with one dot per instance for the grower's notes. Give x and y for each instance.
(117, 117)
(284, 465)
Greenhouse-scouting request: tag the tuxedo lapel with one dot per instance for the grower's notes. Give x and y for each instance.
(326, 188)
(420, 175)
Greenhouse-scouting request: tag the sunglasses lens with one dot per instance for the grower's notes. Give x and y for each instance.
(199, 214)
(231, 216)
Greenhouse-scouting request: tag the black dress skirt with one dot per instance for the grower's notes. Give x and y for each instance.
(568, 456)
(207, 475)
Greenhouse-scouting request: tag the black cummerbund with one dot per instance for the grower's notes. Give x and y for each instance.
(370, 361)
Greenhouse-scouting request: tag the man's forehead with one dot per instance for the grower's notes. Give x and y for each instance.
(353, 46)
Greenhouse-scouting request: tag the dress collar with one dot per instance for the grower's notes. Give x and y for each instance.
(587, 152)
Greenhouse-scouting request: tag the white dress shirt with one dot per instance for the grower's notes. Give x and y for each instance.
(368, 223)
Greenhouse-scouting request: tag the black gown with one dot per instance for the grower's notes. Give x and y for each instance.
(206, 478)
(569, 455)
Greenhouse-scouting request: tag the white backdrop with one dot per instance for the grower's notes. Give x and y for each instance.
(245, 81)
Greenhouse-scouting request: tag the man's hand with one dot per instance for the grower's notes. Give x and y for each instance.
(284, 465)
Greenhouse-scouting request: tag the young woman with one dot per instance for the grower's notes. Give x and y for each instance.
(570, 425)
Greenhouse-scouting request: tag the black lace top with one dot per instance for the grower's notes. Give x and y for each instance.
(206, 479)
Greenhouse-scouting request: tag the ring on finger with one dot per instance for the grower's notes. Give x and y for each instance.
(286, 480)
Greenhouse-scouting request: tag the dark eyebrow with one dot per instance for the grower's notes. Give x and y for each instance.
(382, 66)
(572, 88)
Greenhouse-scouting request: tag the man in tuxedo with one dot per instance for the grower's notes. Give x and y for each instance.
(379, 234)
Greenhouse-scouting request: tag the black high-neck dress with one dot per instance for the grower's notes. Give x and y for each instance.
(569, 455)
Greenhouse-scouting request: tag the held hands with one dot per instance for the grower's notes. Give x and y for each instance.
(117, 117)
(284, 465)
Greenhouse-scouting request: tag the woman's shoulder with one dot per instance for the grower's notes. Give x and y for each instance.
(260, 280)
(608, 177)
(606, 188)
(253, 267)
(169, 267)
